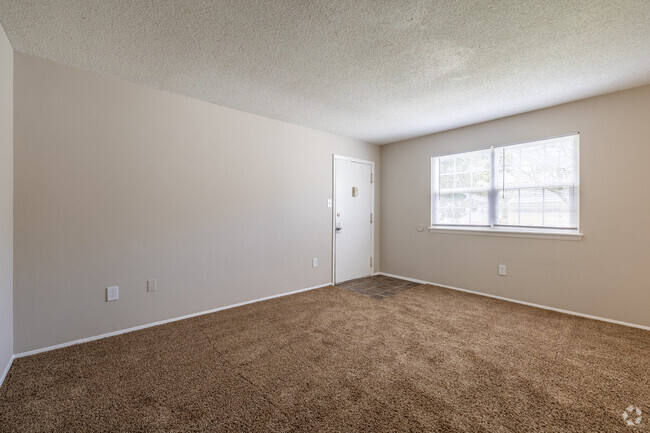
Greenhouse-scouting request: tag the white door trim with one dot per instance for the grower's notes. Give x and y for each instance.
(336, 157)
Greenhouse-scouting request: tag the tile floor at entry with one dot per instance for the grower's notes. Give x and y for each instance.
(378, 287)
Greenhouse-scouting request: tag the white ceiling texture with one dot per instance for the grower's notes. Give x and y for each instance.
(376, 70)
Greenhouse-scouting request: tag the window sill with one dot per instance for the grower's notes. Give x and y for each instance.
(475, 231)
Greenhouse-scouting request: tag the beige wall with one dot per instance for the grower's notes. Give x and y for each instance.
(6, 200)
(117, 183)
(605, 274)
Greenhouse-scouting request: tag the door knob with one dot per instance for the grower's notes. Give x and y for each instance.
(338, 227)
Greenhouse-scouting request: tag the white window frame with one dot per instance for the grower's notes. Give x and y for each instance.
(494, 229)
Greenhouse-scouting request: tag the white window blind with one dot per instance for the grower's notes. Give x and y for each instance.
(462, 184)
(531, 186)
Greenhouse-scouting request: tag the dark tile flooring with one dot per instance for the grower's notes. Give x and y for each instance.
(378, 287)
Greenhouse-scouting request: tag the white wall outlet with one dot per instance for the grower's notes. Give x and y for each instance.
(314, 262)
(329, 202)
(112, 293)
(151, 285)
(502, 270)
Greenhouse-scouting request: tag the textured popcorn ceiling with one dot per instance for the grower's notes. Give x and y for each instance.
(377, 70)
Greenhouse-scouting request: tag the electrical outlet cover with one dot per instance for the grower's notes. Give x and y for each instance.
(112, 293)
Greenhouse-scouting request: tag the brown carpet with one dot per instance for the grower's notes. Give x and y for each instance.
(427, 359)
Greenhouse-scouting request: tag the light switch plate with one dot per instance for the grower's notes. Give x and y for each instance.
(112, 293)
(329, 202)
(314, 262)
(502, 270)
(151, 285)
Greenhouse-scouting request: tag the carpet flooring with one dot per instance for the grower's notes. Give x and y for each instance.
(425, 360)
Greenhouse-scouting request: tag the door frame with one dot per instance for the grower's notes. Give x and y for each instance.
(335, 158)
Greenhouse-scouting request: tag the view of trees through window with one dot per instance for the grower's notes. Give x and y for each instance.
(532, 185)
(465, 181)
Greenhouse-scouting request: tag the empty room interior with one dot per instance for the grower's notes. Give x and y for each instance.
(336, 216)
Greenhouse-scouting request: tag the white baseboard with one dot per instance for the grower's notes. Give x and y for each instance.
(4, 373)
(161, 322)
(530, 304)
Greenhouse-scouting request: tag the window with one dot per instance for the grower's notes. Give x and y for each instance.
(528, 187)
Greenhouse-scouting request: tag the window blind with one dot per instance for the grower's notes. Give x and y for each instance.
(532, 185)
(463, 188)
(537, 184)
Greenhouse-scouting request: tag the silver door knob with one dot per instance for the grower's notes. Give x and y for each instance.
(338, 227)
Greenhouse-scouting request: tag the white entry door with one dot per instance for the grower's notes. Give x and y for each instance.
(353, 218)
